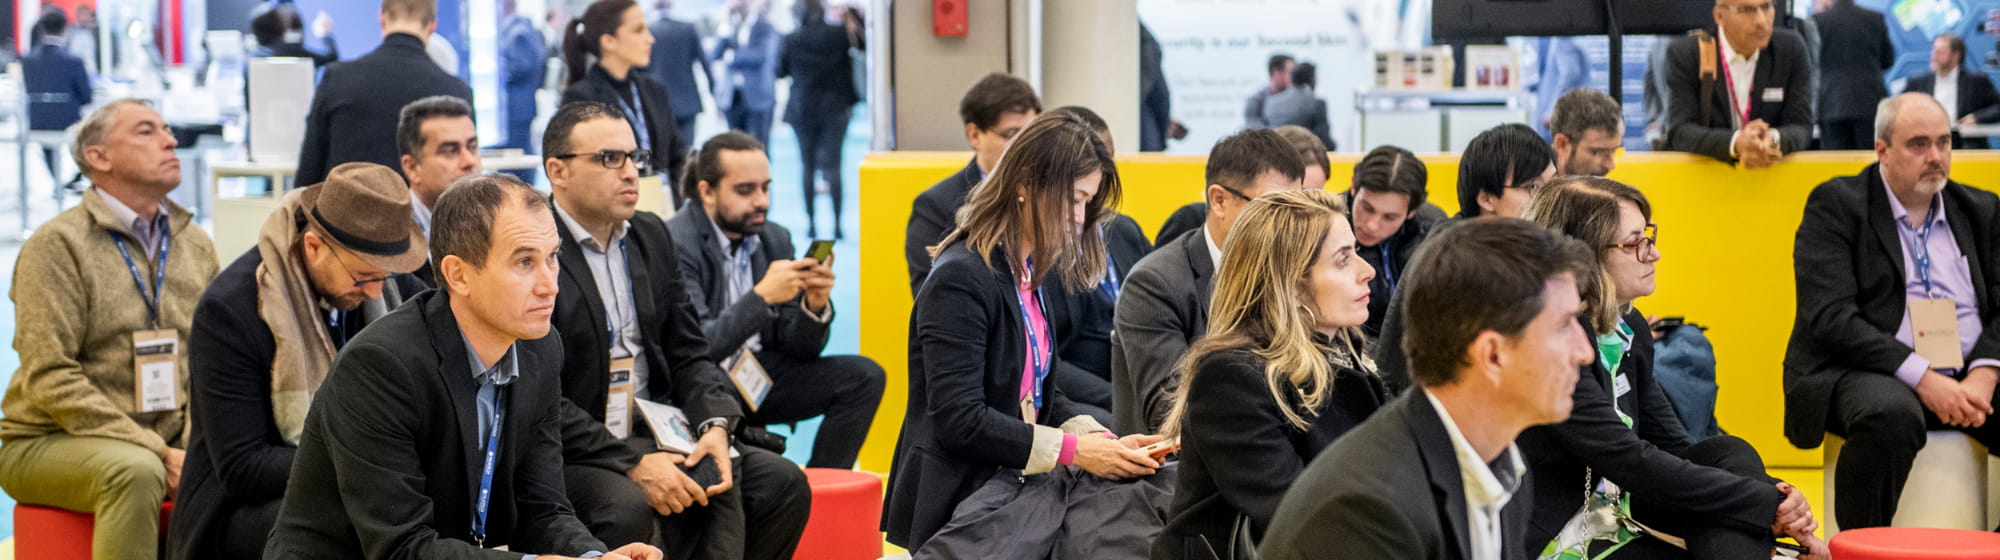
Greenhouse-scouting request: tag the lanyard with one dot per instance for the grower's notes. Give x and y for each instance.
(1728, 80)
(486, 473)
(1922, 252)
(637, 118)
(611, 306)
(1036, 351)
(1389, 263)
(1111, 283)
(159, 273)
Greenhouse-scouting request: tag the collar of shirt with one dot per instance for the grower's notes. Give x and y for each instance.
(1487, 485)
(502, 372)
(1948, 78)
(1214, 251)
(585, 238)
(1902, 215)
(751, 243)
(137, 226)
(1736, 57)
(421, 213)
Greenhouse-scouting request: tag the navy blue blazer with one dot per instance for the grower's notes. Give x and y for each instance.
(676, 51)
(755, 62)
(58, 87)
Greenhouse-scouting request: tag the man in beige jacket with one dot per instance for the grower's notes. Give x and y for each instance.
(104, 295)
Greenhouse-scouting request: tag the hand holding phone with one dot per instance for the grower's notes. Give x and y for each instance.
(1162, 448)
(820, 250)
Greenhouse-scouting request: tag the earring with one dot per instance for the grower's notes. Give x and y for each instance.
(1021, 199)
(1314, 319)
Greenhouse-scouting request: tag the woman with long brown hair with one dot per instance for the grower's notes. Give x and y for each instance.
(980, 345)
(601, 49)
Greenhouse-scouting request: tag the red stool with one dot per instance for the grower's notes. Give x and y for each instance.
(846, 521)
(1914, 543)
(49, 532)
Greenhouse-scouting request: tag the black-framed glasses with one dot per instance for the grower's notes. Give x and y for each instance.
(1644, 248)
(1239, 194)
(614, 159)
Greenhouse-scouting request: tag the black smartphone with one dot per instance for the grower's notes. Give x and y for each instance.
(820, 250)
(704, 473)
(1669, 323)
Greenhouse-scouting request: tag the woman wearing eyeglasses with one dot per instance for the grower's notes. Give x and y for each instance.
(601, 49)
(1622, 454)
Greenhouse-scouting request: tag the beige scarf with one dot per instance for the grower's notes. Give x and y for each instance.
(289, 305)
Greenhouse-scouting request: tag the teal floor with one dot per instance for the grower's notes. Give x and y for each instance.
(787, 208)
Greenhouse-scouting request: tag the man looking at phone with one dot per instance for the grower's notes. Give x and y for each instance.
(629, 333)
(764, 314)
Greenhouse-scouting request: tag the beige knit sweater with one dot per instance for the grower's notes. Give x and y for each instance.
(75, 311)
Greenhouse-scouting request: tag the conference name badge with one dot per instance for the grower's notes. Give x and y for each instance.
(1621, 385)
(1774, 95)
(155, 357)
(751, 380)
(1934, 328)
(618, 400)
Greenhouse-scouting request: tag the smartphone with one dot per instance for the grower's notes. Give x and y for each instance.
(1669, 323)
(820, 250)
(704, 473)
(1162, 448)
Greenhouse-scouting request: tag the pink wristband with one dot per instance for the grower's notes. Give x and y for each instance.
(1068, 454)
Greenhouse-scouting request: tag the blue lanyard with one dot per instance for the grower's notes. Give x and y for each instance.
(486, 473)
(159, 273)
(638, 118)
(1922, 251)
(1389, 264)
(611, 305)
(1037, 354)
(1111, 283)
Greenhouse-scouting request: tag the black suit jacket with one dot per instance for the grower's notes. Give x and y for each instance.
(815, 57)
(1850, 67)
(1784, 66)
(786, 327)
(389, 464)
(1082, 322)
(963, 423)
(1388, 489)
(1976, 97)
(1162, 310)
(354, 109)
(676, 353)
(1641, 459)
(1848, 264)
(1240, 454)
(669, 149)
(932, 216)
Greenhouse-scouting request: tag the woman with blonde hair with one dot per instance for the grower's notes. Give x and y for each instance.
(981, 348)
(1278, 377)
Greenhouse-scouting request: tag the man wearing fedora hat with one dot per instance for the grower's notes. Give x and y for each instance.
(264, 337)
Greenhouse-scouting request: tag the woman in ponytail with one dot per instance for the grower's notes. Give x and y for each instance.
(601, 49)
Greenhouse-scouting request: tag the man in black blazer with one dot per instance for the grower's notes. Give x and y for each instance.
(436, 144)
(1968, 96)
(1850, 74)
(1163, 304)
(354, 109)
(436, 434)
(754, 300)
(1495, 347)
(624, 314)
(676, 53)
(996, 108)
(1851, 367)
(1757, 106)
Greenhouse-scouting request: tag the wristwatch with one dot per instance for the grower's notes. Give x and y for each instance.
(702, 430)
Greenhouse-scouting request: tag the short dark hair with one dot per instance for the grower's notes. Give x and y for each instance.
(420, 11)
(994, 95)
(462, 223)
(1486, 274)
(269, 26)
(1311, 151)
(555, 138)
(1509, 154)
(1582, 110)
(52, 23)
(410, 121)
(1239, 158)
(705, 164)
(1957, 44)
(1392, 169)
(1278, 62)
(1305, 74)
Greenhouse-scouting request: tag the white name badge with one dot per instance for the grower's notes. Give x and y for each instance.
(155, 359)
(751, 380)
(1934, 328)
(1774, 95)
(618, 400)
(1621, 386)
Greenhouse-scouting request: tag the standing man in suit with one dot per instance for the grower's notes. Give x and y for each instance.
(676, 53)
(57, 83)
(1163, 306)
(822, 100)
(437, 144)
(1850, 81)
(524, 56)
(1757, 105)
(1298, 105)
(1896, 250)
(1495, 348)
(354, 109)
(1279, 71)
(1968, 97)
(748, 53)
(265, 335)
(759, 306)
(625, 314)
(996, 108)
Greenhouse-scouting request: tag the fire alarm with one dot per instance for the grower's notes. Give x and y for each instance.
(948, 18)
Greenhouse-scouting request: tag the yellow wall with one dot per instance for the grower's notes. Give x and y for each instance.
(1726, 234)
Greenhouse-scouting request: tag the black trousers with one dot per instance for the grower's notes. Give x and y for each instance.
(1884, 424)
(847, 389)
(761, 518)
(1705, 540)
(246, 529)
(1847, 134)
(821, 138)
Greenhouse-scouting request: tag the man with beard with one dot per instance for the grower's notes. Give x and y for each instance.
(1895, 332)
(760, 307)
(264, 337)
(1587, 127)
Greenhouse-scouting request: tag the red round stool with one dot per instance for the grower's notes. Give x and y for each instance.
(846, 521)
(1914, 543)
(51, 532)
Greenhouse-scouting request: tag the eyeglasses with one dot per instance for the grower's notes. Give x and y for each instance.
(614, 159)
(1645, 248)
(1746, 10)
(1239, 194)
(358, 282)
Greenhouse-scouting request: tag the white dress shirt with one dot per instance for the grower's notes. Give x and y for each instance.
(1488, 487)
(607, 262)
(1946, 93)
(1214, 251)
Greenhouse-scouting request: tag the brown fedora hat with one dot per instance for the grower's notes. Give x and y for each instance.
(365, 209)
